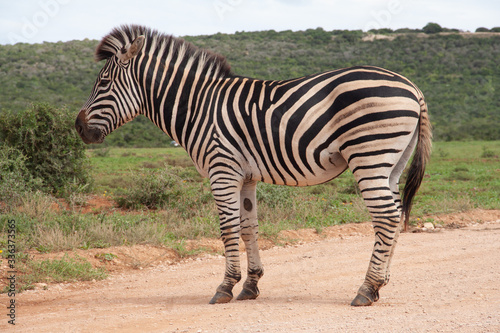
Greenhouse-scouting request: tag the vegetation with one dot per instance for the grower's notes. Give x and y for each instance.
(66, 269)
(41, 150)
(458, 170)
(460, 177)
(15, 178)
(458, 73)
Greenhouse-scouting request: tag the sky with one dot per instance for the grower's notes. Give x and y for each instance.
(36, 21)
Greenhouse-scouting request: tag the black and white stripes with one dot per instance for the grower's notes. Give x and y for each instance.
(239, 131)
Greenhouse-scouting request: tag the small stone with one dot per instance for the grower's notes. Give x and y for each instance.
(428, 225)
(41, 286)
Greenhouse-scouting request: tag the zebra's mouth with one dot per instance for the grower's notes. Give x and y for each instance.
(88, 134)
(93, 136)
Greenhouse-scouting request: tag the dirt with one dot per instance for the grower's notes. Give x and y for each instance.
(443, 279)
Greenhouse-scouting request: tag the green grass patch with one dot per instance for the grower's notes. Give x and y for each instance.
(66, 269)
(460, 177)
(113, 170)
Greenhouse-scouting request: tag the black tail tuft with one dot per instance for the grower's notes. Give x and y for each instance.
(420, 159)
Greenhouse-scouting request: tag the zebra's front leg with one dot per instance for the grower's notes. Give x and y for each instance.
(249, 234)
(227, 197)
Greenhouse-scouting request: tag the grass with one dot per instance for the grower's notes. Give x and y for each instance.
(461, 176)
(66, 269)
(113, 169)
(172, 203)
(175, 203)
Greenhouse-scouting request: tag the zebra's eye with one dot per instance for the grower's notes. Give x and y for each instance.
(104, 82)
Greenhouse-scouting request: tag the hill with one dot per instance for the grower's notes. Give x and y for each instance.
(458, 72)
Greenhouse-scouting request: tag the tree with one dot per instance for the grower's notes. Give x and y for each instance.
(432, 28)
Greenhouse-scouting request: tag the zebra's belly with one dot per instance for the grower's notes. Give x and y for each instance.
(332, 165)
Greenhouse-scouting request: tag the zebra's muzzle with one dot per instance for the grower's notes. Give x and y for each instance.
(88, 134)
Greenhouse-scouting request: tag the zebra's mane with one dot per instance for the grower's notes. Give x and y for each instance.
(115, 41)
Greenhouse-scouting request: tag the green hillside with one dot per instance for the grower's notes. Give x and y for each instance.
(459, 73)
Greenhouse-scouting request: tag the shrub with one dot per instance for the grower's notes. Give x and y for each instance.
(15, 178)
(53, 152)
(152, 189)
(487, 153)
(166, 188)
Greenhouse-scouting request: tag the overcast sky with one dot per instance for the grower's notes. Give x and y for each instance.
(36, 21)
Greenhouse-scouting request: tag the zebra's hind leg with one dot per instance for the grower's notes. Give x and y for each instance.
(382, 198)
(386, 216)
(394, 186)
(249, 234)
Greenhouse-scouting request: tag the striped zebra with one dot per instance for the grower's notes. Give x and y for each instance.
(239, 131)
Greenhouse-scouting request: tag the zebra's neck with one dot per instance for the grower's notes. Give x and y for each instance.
(173, 77)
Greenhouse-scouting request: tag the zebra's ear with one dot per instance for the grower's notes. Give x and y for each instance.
(131, 50)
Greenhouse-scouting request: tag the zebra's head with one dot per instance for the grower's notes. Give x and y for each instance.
(115, 98)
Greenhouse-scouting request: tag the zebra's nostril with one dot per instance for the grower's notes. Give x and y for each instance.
(79, 126)
(80, 123)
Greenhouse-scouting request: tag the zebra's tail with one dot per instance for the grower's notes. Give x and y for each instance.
(420, 159)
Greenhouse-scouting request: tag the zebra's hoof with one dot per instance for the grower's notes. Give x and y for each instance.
(361, 300)
(248, 294)
(221, 297)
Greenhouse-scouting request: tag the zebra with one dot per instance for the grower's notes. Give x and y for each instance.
(239, 131)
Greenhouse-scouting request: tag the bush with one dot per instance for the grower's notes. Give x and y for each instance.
(488, 153)
(15, 178)
(166, 188)
(52, 150)
(152, 189)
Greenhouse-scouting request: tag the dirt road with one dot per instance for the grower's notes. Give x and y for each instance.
(446, 281)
